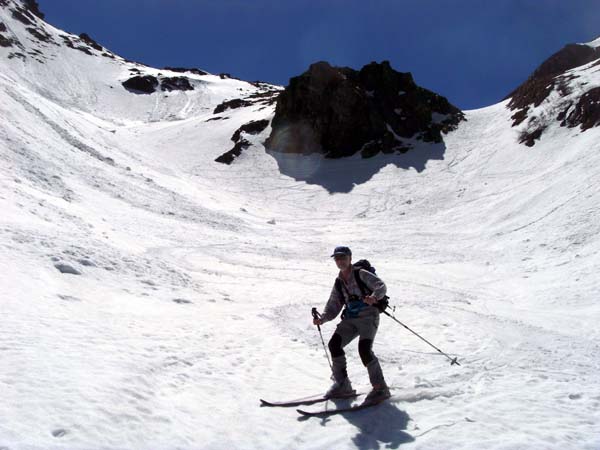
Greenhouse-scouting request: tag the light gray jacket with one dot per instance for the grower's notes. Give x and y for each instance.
(335, 303)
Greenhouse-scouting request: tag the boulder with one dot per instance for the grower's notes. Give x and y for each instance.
(144, 84)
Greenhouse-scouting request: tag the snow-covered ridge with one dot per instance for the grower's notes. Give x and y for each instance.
(595, 43)
(78, 73)
(151, 296)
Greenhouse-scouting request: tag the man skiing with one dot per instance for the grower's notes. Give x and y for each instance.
(359, 291)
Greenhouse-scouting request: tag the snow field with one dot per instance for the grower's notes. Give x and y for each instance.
(197, 279)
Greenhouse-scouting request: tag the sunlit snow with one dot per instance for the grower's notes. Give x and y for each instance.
(196, 279)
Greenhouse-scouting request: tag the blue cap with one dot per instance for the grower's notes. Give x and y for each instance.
(342, 251)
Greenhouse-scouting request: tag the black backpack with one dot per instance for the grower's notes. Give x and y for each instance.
(356, 267)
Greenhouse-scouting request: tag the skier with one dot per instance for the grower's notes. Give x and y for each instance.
(359, 291)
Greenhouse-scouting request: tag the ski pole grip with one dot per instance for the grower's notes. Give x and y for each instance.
(315, 314)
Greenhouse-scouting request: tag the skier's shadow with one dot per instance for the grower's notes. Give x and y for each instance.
(380, 426)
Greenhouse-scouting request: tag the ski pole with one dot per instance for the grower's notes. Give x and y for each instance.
(452, 360)
(316, 315)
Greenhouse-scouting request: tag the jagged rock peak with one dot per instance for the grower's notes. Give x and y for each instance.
(339, 111)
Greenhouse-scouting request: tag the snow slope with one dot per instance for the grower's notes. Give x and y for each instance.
(196, 279)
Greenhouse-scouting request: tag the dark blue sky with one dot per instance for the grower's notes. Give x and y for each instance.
(472, 51)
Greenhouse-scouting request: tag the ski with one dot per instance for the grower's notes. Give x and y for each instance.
(331, 412)
(310, 400)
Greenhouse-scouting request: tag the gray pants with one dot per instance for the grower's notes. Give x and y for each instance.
(365, 327)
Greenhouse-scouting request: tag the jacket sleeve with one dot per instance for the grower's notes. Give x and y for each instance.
(333, 307)
(374, 283)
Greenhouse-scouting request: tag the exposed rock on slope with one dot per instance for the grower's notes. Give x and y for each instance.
(184, 69)
(253, 127)
(231, 104)
(144, 84)
(574, 103)
(338, 111)
(89, 41)
(5, 41)
(147, 84)
(28, 15)
(33, 7)
(266, 96)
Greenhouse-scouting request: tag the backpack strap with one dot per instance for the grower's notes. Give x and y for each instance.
(361, 284)
(382, 304)
(364, 289)
(338, 287)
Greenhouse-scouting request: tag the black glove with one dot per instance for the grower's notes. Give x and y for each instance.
(382, 304)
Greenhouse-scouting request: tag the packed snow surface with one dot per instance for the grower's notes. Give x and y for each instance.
(151, 296)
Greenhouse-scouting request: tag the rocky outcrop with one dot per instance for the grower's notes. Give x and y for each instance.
(143, 84)
(551, 77)
(34, 8)
(5, 41)
(23, 16)
(183, 70)
(253, 127)
(89, 41)
(266, 97)
(175, 84)
(543, 80)
(338, 111)
(238, 148)
(586, 112)
(231, 104)
(40, 34)
(83, 43)
(147, 84)
(27, 13)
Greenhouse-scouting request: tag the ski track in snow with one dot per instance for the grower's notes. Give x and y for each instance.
(196, 279)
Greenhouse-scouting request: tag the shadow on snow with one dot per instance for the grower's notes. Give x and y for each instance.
(382, 426)
(342, 175)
